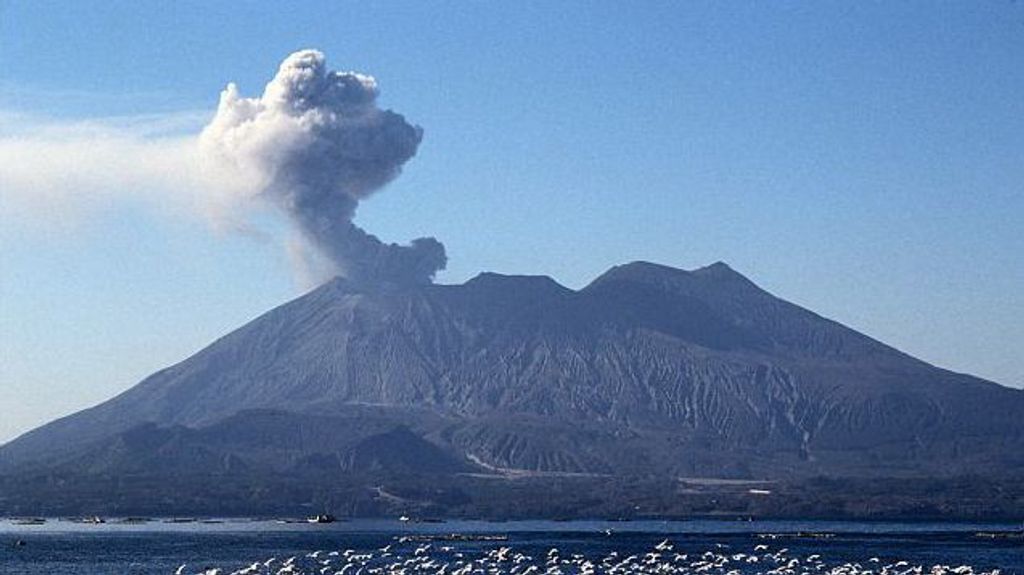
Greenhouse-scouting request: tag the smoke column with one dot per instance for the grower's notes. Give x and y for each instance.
(315, 144)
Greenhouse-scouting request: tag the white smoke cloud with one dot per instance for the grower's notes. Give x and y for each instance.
(314, 144)
(61, 169)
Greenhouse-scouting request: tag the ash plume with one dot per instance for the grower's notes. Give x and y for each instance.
(314, 144)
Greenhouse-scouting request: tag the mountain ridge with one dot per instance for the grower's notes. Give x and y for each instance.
(646, 371)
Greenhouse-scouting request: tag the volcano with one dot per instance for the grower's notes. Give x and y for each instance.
(652, 391)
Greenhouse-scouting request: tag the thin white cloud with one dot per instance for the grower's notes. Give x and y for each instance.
(59, 169)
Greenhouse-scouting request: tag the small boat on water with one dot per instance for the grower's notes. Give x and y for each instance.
(29, 521)
(322, 518)
(407, 519)
(424, 538)
(94, 520)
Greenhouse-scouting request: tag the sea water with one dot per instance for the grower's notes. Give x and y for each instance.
(702, 547)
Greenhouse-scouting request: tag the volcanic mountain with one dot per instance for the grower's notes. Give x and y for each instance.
(511, 386)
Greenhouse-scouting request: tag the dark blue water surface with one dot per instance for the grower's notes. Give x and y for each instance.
(711, 547)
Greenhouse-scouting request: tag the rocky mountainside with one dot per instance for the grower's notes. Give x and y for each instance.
(649, 371)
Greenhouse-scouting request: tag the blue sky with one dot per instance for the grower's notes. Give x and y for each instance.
(864, 160)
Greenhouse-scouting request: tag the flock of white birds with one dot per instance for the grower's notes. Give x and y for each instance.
(410, 557)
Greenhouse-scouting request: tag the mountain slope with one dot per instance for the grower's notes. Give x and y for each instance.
(647, 371)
